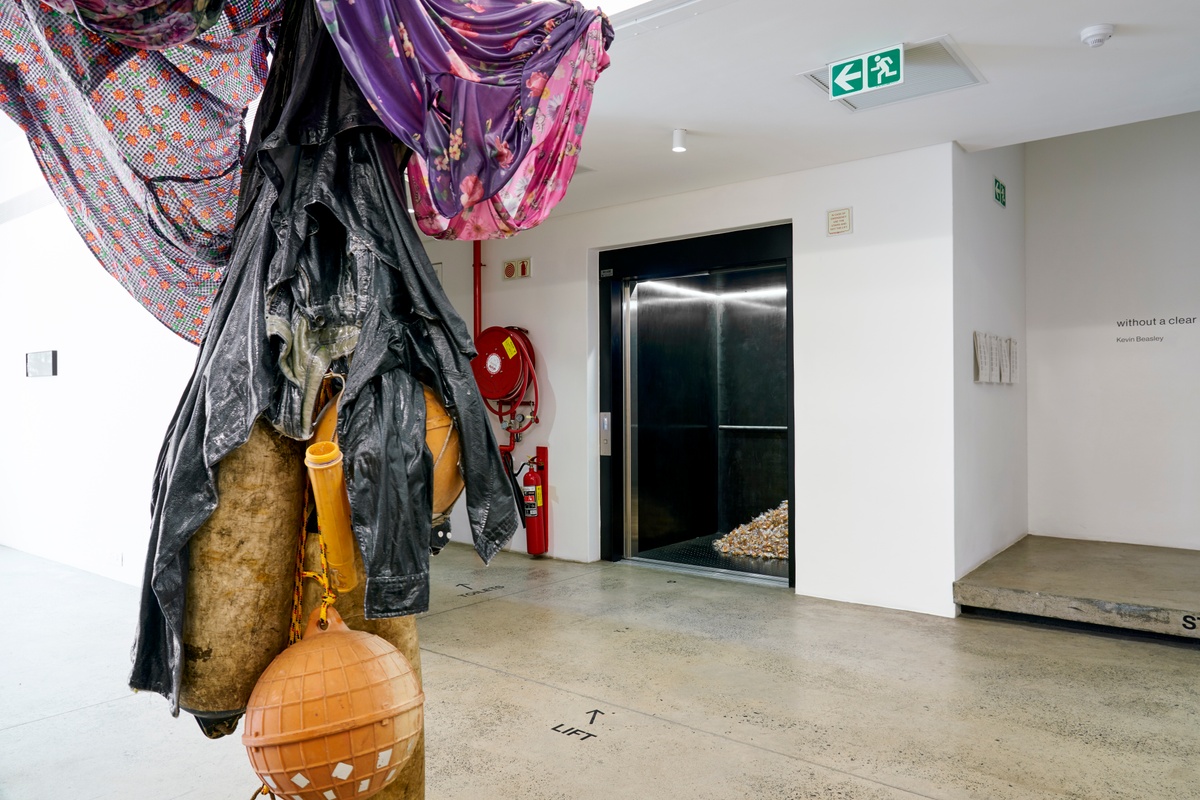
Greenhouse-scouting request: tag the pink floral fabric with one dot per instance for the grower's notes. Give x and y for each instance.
(541, 179)
(482, 92)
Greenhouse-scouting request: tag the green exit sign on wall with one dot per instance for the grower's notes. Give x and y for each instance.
(1000, 193)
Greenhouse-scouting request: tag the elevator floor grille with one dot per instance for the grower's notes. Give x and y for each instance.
(700, 555)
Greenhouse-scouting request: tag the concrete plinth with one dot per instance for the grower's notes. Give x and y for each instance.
(1155, 589)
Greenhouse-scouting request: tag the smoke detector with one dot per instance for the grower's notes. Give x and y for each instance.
(1096, 35)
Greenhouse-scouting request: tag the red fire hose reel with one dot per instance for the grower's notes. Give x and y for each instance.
(504, 370)
(505, 373)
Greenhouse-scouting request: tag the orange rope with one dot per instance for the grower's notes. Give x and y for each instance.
(296, 629)
(328, 592)
(329, 597)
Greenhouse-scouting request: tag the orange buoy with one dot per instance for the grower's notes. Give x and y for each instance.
(409, 783)
(335, 715)
(441, 437)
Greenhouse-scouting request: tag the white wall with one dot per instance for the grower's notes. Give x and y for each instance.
(1114, 433)
(81, 447)
(873, 347)
(990, 453)
(454, 259)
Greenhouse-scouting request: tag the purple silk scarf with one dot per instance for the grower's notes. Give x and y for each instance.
(460, 83)
(542, 177)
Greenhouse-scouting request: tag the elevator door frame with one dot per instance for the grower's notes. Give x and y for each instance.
(754, 247)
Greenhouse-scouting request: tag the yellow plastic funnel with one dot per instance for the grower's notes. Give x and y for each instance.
(324, 462)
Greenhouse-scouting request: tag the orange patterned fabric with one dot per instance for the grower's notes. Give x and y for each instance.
(141, 147)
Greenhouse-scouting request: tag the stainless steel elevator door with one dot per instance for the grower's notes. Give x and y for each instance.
(706, 412)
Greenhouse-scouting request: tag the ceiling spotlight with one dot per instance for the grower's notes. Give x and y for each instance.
(679, 140)
(1096, 35)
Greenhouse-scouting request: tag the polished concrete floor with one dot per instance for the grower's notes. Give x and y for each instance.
(1142, 588)
(553, 681)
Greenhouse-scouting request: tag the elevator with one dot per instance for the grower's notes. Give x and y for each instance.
(698, 384)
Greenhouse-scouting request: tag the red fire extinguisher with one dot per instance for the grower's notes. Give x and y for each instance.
(533, 490)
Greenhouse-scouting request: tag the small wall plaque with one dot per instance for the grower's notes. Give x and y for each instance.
(43, 364)
(839, 221)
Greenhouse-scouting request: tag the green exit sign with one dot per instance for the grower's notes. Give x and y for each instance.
(866, 73)
(999, 192)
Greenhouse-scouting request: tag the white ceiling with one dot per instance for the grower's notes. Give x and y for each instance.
(729, 72)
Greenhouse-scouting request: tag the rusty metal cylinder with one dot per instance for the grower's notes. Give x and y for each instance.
(241, 578)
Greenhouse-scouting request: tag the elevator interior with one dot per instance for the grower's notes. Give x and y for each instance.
(700, 386)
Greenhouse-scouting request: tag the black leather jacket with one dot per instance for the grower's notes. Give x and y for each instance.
(327, 270)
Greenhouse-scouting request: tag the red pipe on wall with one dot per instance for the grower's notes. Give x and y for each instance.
(543, 453)
(478, 269)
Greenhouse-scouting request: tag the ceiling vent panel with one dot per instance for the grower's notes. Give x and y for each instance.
(655, 15)
(930, 67)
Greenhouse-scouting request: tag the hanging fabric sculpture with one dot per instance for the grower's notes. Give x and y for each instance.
(141, 147)
(134, 111)
(327, 273)
(492, 96)
(305, 261)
